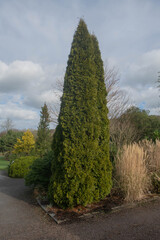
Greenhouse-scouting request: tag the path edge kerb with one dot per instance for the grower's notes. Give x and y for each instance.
(89, 215)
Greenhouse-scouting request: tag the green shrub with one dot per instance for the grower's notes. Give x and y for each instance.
(19, 167)
(40, 172)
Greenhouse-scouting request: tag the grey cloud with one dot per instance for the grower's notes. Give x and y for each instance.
(39, 34)
(15, 112)
(51, 97)
(139, 80)
(19, 76)
(143, 72)
(27, 84)
(148, 97)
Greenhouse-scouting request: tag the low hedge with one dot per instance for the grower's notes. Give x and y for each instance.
(19, 167)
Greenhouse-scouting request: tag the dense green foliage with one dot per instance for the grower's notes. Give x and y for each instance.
(8, 140)
(43, 141)
(81, 170)
(19, 167)
(156, 135)
(40, 172)
(147, 126)
(102, 160)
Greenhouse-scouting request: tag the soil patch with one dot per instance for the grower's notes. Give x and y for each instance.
(61, 215)
(112, 203)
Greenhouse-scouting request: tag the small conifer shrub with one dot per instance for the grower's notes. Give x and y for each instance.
(40, 172)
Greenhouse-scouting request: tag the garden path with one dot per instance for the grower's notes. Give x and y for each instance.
(22, 219)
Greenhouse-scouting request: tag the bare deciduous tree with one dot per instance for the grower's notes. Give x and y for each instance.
(117, 99)
(54, 109)
(7, 125)
(122, 131)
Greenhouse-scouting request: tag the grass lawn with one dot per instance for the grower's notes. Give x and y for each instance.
(3, 163)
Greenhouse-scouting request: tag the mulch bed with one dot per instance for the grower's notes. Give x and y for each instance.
(61, 215)
(112, 203)
(105, 205)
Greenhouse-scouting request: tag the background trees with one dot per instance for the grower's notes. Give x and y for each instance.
(147, 126)
(40, 170)
(8, 140)
(81, 170)
(43, 140)
(7, 125)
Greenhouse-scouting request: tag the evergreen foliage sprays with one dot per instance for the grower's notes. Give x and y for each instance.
(103, 167)
(43, 140)
(81, 170)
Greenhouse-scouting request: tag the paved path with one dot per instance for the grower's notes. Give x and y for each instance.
(22, 219)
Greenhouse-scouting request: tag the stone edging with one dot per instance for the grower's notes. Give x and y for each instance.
(89, 215)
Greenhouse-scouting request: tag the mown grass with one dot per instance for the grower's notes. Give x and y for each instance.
(3, 163)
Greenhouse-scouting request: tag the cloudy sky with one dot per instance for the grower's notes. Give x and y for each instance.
(35, 40)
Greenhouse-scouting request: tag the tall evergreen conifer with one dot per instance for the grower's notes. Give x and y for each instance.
(43, 141)
(81, 171)
(103, 166)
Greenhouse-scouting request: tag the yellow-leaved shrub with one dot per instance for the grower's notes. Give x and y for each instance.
(26, 145)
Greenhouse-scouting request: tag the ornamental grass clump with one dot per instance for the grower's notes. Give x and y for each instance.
(153, 162)
(132, 172)
(157, 155)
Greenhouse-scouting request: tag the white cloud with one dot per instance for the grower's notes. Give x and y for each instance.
(20, 76)
(11, 110)
(36, 34)
(147, 97)
(29, 79)
(37, 100)
(24, 87)
(144, 71)
(140, 81)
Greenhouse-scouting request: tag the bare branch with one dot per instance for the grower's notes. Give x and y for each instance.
(117, 100)
(7, 125)
(54, 109)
